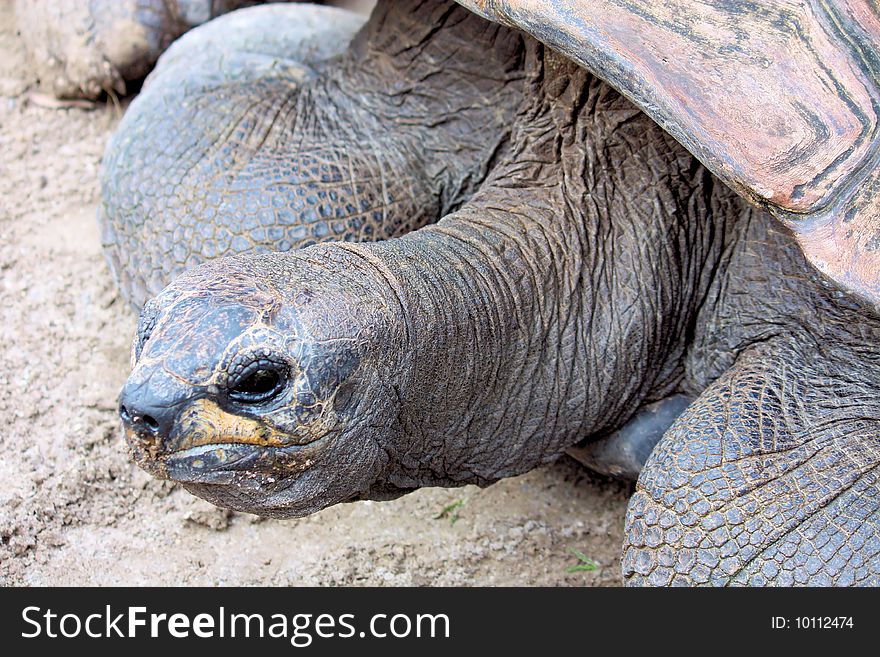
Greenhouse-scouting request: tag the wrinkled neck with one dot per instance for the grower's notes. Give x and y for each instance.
(560, 297)
(414, 41)
(438, 85)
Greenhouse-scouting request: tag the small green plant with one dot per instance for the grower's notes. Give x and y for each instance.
(451, 511)
(586, 564)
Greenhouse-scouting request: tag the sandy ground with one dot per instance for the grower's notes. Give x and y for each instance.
(75, 511)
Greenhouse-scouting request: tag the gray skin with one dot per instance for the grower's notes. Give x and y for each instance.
(85, 48)
(623, 453)
(590, 267)
(201, 165)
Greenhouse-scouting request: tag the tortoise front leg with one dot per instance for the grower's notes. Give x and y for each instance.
(770, 477)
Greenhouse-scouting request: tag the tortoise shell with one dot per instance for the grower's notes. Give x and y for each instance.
(779, 99)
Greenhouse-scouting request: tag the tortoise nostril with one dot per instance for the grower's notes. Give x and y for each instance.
(146, 413)
(140, 421)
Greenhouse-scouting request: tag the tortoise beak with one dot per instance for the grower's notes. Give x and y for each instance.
(178, 432)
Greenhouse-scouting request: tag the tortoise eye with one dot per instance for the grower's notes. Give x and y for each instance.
(257, 383)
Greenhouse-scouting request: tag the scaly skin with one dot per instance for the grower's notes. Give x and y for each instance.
(201, 165)
(771, 475)
(599, 267)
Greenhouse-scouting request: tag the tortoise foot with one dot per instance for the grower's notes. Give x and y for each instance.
(623, 453)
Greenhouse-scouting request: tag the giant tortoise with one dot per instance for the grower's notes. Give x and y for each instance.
(520, 233)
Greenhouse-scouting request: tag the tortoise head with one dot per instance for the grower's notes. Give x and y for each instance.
(249, 385)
